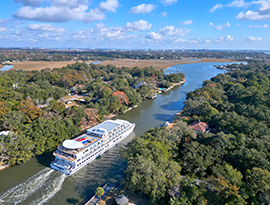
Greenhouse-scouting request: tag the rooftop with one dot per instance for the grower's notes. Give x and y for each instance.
(199, 126)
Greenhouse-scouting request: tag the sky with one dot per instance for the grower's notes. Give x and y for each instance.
(140, 24)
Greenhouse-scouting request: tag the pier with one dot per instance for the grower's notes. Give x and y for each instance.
(94, 200)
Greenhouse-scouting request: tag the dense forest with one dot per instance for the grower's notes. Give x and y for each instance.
(31, 104)
(228, 165)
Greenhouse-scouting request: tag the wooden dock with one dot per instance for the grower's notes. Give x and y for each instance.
(94, 200)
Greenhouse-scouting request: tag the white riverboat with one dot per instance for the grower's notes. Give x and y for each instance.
(74, 154)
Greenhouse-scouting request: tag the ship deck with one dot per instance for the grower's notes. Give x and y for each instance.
(90, 140)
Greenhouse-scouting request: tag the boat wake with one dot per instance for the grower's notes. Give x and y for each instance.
(38, 189)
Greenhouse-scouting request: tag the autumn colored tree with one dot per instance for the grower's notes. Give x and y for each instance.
(59, 107)
(121, 96)
(31, 111)
(92, 114)
(3, 109)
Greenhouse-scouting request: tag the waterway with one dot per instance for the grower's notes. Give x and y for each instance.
(35, 183)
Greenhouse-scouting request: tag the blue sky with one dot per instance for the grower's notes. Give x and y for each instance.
(141, 24)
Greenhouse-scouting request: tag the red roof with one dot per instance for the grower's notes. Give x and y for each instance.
(199, 126)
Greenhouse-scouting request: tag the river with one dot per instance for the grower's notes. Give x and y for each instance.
(35, 183)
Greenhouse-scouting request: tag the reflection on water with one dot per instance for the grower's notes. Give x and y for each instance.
(76, 189)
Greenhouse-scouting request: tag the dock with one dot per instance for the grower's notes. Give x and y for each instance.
(94, 200)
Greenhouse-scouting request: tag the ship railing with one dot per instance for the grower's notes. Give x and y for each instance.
(62, 164)
(64, 155)
(70, 151)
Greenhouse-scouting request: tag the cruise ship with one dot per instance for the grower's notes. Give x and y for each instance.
(74, 154)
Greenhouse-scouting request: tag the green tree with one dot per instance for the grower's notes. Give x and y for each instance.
(18, 147)
(258, 185)
(99, 192)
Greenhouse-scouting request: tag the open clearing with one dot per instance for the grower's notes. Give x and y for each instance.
(158, 64)
(40, 65)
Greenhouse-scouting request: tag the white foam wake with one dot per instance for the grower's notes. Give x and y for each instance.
(51, 190)
(38, 189)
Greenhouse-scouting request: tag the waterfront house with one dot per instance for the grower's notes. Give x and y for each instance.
(199, 126)
(139, 84)
(122, 200)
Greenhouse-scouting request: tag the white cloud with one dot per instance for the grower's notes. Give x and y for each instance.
(171, 31)
(66, 10)
(254, 15)
(154, 36)
(3, 29)
(187, 22)
(259, 26)
(60, 14)
(217, 6)
(102, 33)
(142, 8)
(180, 40)
(163, 33)
(223, 39)
(168, 2)
(164, 14)
(210, 24)
(68, 3)
(109, 5)
(221, 27)
(29, 2)
(235, 3)
(254, 39)
(138, 26)
(45, 35)
(46, 27)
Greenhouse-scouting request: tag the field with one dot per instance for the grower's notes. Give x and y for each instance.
(158, 64)
(40, 65)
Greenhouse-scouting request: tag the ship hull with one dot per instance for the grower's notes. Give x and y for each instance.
(105, 148)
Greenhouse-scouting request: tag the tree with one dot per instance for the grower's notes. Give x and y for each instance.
(3, 109)
(121, 96)
(99, 192)
(31, 111)
(18, 147)
(258, 185)
(12, 120)
(59, 107)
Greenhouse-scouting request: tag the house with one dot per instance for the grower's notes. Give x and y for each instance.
(199, 126)
(75, 87)
(139, 84)
(122, 200)
(2, 133)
